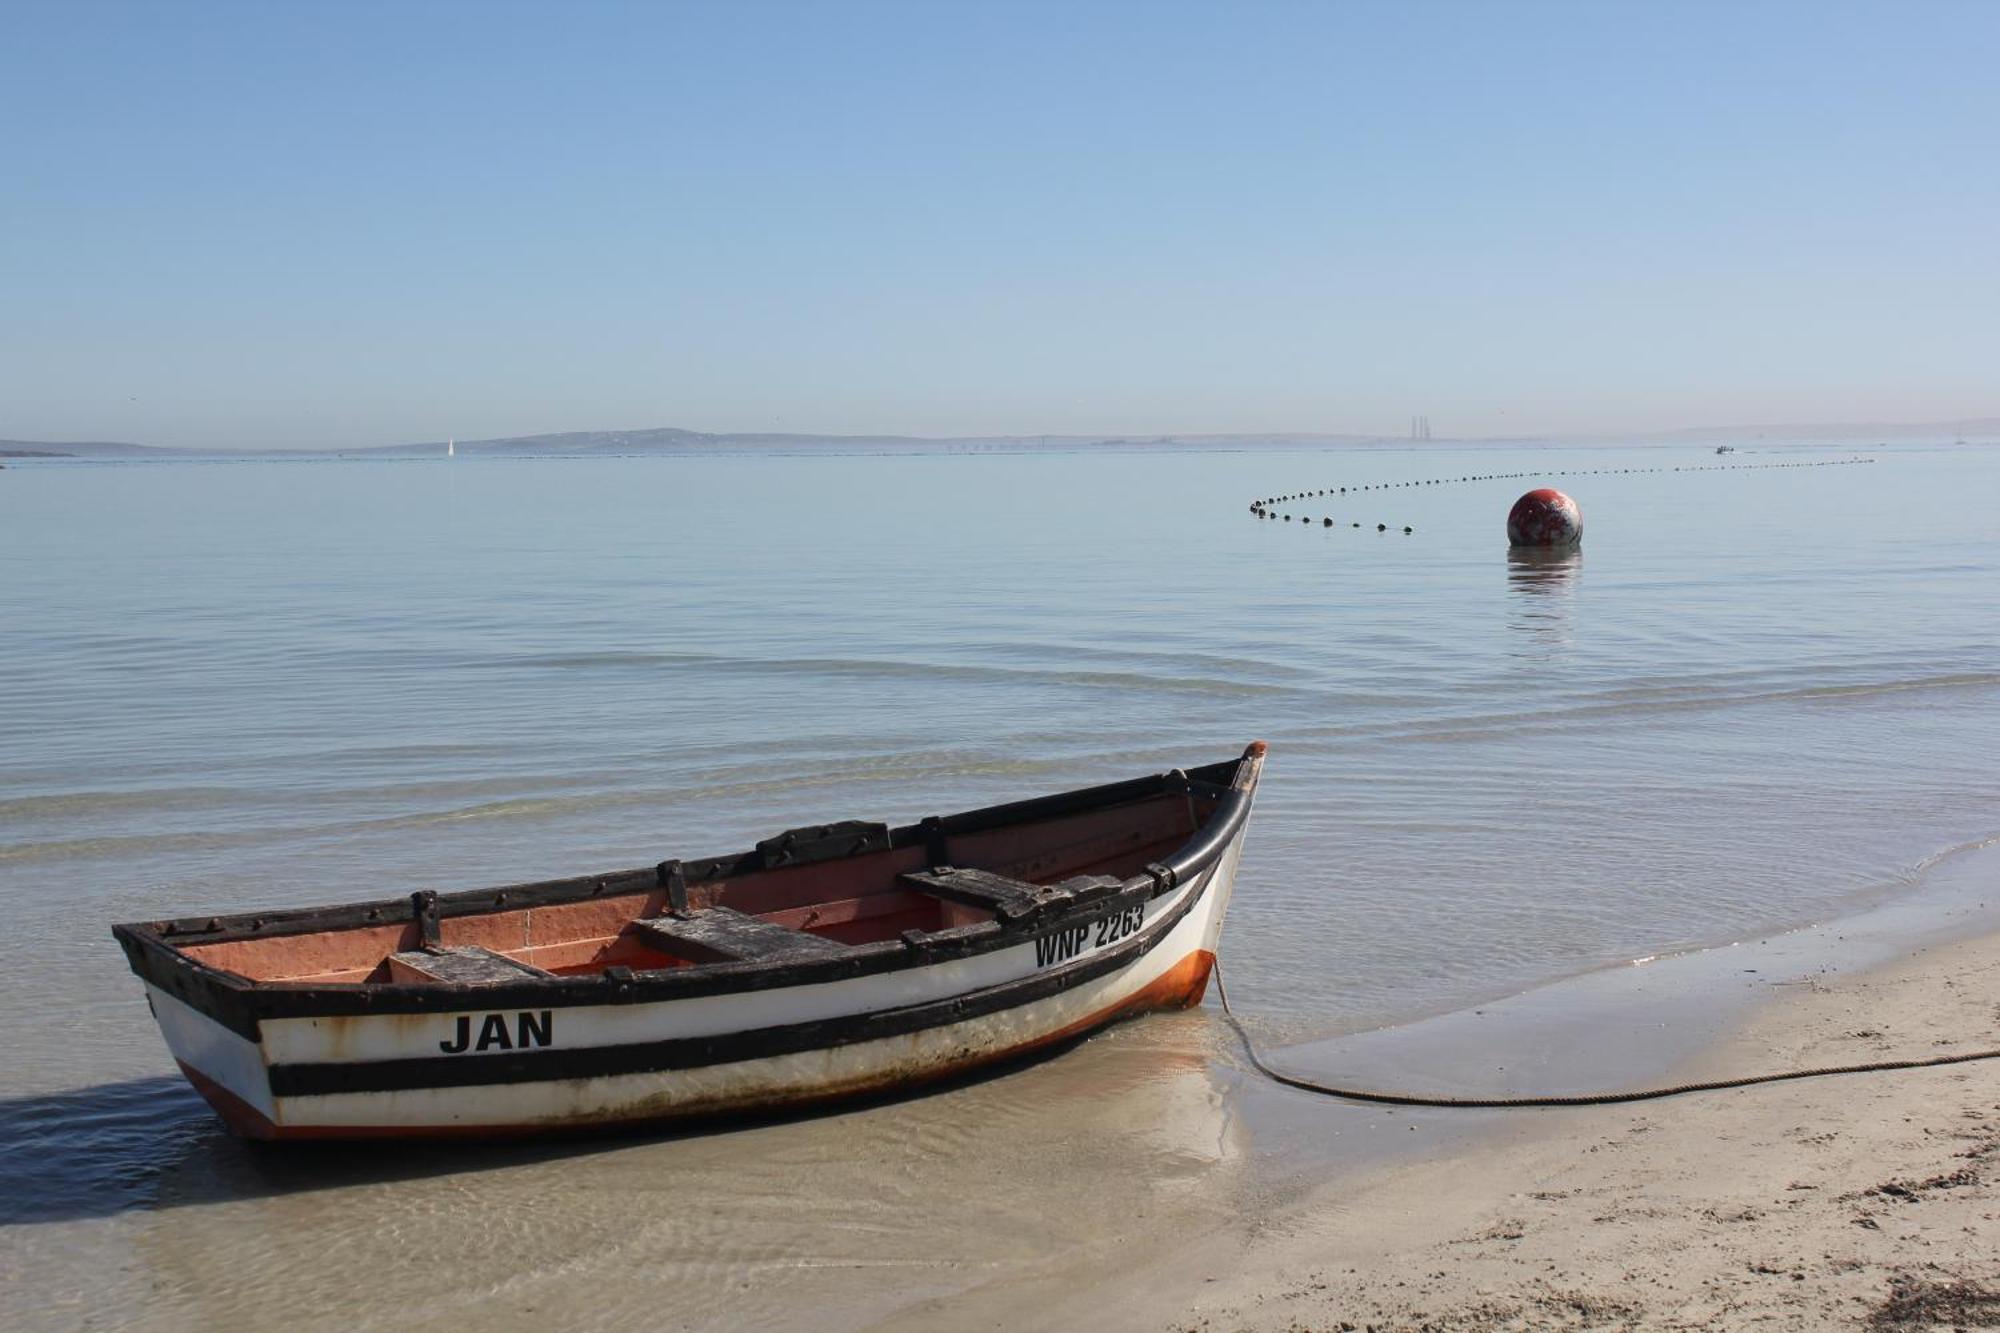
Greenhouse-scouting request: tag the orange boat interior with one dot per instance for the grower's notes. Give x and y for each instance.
(793, 912)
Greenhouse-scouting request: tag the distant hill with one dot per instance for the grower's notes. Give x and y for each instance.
(670, 439)
(673, 439)
(82, 449)
(657, 439)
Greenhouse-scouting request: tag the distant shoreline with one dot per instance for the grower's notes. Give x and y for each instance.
(674, 441)
(920, 449)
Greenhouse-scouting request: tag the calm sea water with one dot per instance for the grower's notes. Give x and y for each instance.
(1758, 697)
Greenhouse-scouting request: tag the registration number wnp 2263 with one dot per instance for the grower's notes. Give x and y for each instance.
(1062, 945)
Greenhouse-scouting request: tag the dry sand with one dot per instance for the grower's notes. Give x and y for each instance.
(1857, 1201)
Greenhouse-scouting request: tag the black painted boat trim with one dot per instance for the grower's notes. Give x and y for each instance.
(555, 1063)
(153, 949)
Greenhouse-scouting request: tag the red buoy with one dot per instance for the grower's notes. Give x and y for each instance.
(1545, 517)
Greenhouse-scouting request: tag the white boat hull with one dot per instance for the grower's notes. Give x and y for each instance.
(259, 1085)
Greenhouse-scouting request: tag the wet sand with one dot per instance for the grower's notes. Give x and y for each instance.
(1863, 1201)
(837, 1220)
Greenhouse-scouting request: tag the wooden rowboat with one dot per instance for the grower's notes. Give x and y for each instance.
(830, 961)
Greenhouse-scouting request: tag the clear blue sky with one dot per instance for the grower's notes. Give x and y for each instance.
(311, 225)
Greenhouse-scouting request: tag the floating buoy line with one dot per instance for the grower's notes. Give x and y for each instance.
(1266, 507)
(1263, 509)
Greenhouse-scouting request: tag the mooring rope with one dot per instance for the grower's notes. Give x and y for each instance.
(1580, 1099)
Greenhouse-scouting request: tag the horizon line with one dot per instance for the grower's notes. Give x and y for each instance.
(1798, 429)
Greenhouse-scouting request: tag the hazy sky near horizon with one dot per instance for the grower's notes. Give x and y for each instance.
(325, 225)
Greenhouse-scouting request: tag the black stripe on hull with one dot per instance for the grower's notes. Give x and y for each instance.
(242, 1006)
(548, 1065)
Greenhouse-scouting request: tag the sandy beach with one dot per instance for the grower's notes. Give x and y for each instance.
(1859, 1201)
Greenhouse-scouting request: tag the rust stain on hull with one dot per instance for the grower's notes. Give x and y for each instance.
(1181, 987)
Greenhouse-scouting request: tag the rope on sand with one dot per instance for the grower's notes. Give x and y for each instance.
(1582, 1099)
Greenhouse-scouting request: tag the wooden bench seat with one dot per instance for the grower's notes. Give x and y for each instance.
(459, 965)
(725, 935)
(1006, 898)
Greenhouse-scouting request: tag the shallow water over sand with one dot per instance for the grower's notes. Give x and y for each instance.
(1757, 698)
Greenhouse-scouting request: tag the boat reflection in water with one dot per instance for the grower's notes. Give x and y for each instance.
(849, 1217)
(1543, 581)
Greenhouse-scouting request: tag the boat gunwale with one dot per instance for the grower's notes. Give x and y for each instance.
(238, 1002)
(614, 1059)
